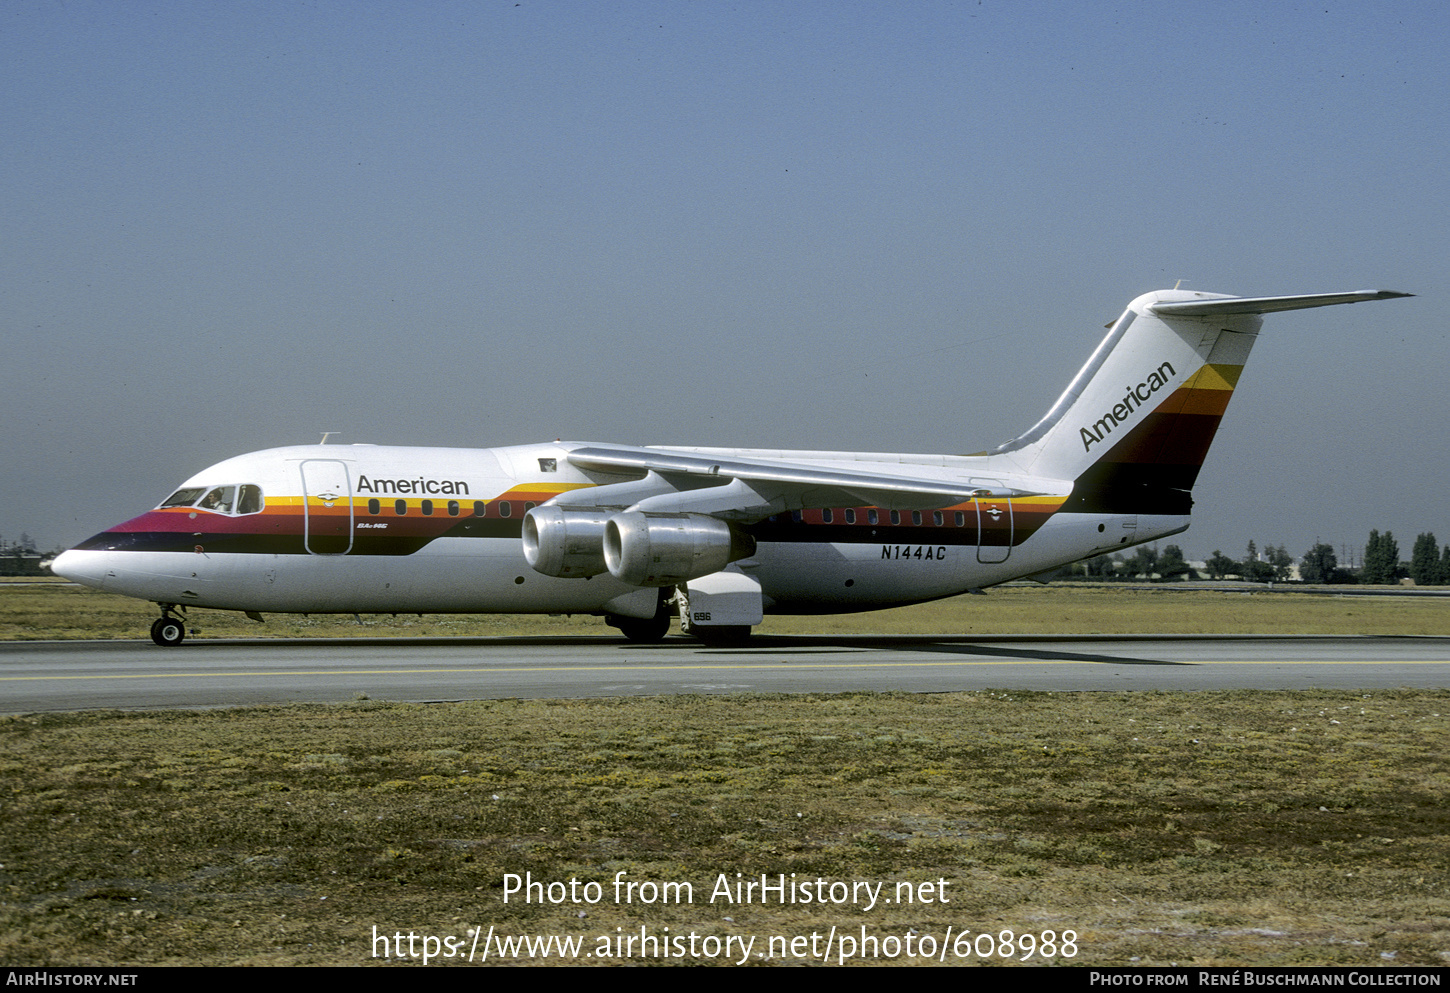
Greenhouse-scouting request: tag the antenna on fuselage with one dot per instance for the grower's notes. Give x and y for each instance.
(326, 435)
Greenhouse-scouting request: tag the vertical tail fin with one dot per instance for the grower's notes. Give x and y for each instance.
(1134, 426)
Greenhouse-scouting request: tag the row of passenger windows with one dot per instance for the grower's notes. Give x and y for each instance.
(503, 508)
(873, 516)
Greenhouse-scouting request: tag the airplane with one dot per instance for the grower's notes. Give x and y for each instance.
(716, 536)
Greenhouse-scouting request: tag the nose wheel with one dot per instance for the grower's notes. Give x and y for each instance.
(168, 631)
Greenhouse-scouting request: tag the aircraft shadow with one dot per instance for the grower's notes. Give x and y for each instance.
(947, 646)
(793, 644)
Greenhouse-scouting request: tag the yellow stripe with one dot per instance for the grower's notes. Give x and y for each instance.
(1214, 377)
(546, 488)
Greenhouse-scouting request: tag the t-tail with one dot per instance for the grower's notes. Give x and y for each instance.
(1134, 426)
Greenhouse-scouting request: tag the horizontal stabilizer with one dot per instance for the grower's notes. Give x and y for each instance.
(1267, 305)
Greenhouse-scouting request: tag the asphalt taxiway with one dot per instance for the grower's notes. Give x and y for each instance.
(57, 676)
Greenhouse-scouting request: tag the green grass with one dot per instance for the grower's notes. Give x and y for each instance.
(1204, 828)
(1239, 828)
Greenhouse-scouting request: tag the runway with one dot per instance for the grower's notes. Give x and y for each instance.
(59, 676)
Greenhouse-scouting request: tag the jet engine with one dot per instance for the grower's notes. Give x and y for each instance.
(565, 543)
(665, 549)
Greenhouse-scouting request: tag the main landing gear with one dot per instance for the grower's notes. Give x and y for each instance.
(647, 630)
(168, 630)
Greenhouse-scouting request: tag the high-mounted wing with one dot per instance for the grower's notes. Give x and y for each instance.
(681, 515)
(788, 485)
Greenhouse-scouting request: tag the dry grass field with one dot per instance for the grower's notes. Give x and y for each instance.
(45, 611)
(1229, 828)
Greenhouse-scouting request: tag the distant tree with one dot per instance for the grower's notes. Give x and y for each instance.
(1280, 561)
(1254, 569)
(1172, 564)
(1444, 579)
(1425, 561)
(1144, 562)
(1319, 564)
(1220, 565)
(1112, 567)
(1381, 559)
(1369, 564)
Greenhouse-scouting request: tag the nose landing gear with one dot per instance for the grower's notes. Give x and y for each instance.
(168, 630)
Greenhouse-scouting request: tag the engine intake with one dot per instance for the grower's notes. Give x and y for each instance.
(665, 549)
(568, 544)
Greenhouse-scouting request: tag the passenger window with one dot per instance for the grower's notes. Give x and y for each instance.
(505, 509)
(961, 519)
(916, 518)
(427, 508)
(400, 507)
(896, 517)
(936, 518)
(873, 516)
(375, 507)
(827, 516)
(452, 508)
(850, 515)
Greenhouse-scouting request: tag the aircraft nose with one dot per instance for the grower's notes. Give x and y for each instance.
(86, 568)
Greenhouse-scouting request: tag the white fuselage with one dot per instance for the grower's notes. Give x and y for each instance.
(331, 538)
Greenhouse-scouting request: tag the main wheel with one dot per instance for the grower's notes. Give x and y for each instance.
(723, 634)
(168, 632)
(644, 629)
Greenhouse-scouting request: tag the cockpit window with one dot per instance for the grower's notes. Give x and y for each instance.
(244, 499)
(182, 498)
(249, 501)
(220, 499)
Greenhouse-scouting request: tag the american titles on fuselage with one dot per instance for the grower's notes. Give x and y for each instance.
(436, 487)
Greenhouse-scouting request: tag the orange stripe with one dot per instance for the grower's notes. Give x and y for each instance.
(1213, 402)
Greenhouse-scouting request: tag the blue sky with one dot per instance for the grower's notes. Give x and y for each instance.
(902, 227)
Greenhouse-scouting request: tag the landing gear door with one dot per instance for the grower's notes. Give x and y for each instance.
(994, 524)
(327, 514)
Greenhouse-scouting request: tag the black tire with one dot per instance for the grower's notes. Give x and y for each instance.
(724, 634)
(168, 632)
(644, 630)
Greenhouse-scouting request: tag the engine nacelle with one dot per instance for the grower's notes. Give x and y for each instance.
(568, 544)
(666, 549)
